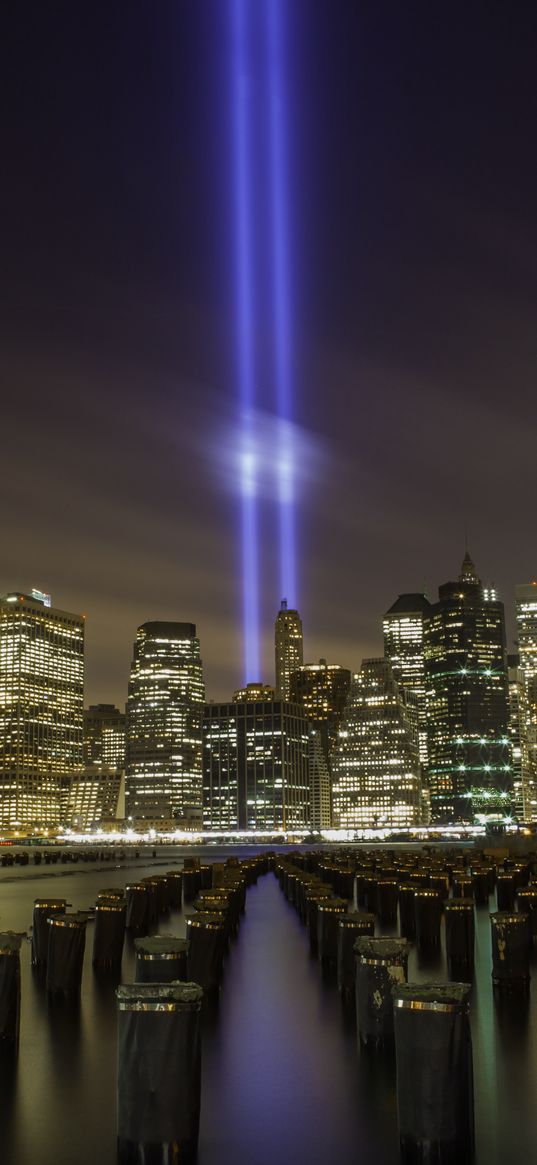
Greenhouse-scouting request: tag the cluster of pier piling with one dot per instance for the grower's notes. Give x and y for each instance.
(343, 901)
(159, 1033)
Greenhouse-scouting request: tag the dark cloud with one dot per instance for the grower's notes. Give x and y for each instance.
(414, 262)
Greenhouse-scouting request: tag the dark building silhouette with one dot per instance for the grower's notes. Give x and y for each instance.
(469, 751)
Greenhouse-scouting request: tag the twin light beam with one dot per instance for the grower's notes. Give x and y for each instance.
(247, 134)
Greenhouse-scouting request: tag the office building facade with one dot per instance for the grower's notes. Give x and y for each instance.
(469, 750)
(526, 623)
(255, 766)
(41, 708)
(322, 690)
(104, 737)
(404, 628)
(376, 768)
(515, 698)
(164, 726)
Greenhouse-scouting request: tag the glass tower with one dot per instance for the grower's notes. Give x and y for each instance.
(163, 776)
(289, 648)
(469, 750)
(41, 708)
(526, 619)
(376, 770)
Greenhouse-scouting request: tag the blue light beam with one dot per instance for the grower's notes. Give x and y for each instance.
(285, 461)
(245, 342)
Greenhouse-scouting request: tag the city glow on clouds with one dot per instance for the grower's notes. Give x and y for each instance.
(268, 458)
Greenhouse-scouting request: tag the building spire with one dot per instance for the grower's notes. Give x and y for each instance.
(468, 571)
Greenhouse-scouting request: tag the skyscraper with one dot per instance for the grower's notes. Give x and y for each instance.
(403, 627)
(376, 770)
(289, 648)
(515, 680)
(469, 751)
(41, 707)
(322, 690)
(256, 766)
(97, 791)
(526, 619)
(164, 725)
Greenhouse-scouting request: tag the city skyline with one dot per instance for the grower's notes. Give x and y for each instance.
(350, 657)
(413, 257)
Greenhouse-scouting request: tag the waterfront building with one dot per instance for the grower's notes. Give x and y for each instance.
(288, 648)
(376, 768)
(255, 766)
(164, 725)
(92, 795)
(403, 627)
(41, 708)
(526, 621)
(469, 750)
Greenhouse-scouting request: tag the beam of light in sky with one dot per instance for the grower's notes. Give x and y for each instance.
(285, 457)
(245, 339)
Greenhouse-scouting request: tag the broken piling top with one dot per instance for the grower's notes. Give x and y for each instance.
(386, 951)
(10, 942)
(166, 997)
(356, 920)
(161, 944)
(432, 996)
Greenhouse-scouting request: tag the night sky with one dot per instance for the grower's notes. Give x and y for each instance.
(413, 211)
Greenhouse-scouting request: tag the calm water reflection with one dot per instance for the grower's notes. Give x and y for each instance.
(282, 1078)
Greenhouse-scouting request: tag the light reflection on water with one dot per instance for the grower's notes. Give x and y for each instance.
(282, 1078)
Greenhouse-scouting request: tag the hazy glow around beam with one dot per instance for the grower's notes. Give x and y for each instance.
(245, 338)
(281, 296)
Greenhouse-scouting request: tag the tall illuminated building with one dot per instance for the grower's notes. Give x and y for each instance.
(164, 725)
(526, 620)
(469, 750)
(403, 626)
(515, 680)
(322, 690)
(376, 768)
(289, 648)
(98, 792)
(41, 708)
(255, 765)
